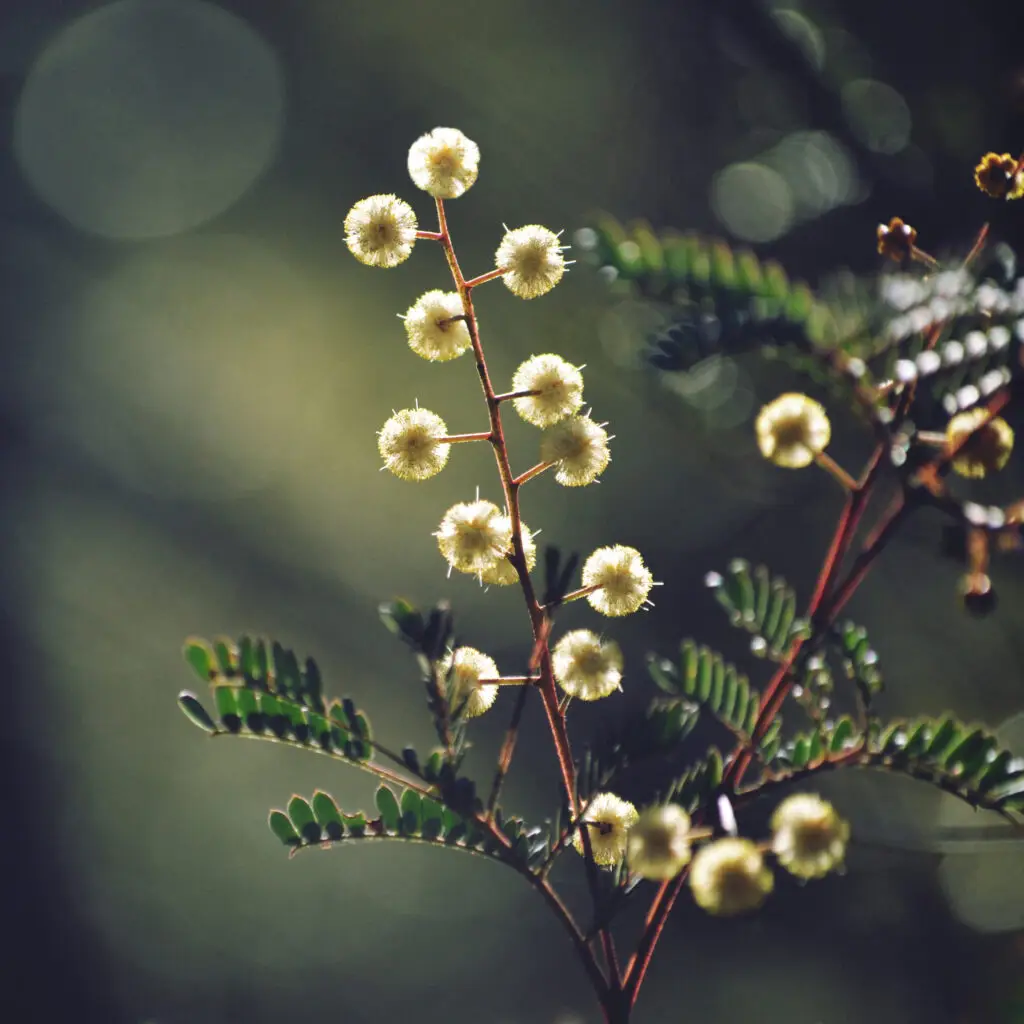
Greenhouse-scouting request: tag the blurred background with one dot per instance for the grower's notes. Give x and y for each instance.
(192, 371)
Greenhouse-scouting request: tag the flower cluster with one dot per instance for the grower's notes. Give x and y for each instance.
(728, 876)
(479, 537)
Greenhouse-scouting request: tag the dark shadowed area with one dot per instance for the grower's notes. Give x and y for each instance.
(192, 372)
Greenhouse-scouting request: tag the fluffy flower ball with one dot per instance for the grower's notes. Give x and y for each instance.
(622, 579)
(580, 448)
(503, 573)
(792, 430)
(658, 845)
(467, 666)
(560, 387)
(608, 820)
(380, 231)
(729, 877)
(474, 535)
(532, 260)
(986, 448)
(408, 443)
(809, 839)
(586, 666)
(444, 163)
(432, 332)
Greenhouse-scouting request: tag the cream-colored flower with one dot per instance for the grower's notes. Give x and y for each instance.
(622, 579)
(444, 163)
(380, 231)
(560, 387)
(532, 260)
(433, 334)
(580, 447)
(729, 876)
(987, 451)
(792, 430)
(467, 667)
(809, 839)
(408, 443)
(474, 535)
(658, 845)
(503, 573)
(586, 666)
(608, 820)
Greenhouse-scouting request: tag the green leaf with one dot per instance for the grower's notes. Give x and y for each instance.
(195, 712)
(664, 673)
(283, 829)
(201, 658)
(327, 815)
(433, 818)
(355, 824)
(387, 804)
(249, 710)
(404, 620)
(227, 708)
(412, 812)
(843, 732)
(227, 657)
(303, 819)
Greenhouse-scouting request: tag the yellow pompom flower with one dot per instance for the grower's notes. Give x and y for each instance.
(658, 845)
(579, 446)
(431, 329)
(987, 448)
(444, 163)
(380, 231)
(503, 573)
(409, 444)
(607, 820)
(622, 580)
(792, 430)
(473, 536)
(729, 876)
(532, 260)
(559, 385)
(586, 666)
(808, 837)
(466, 666)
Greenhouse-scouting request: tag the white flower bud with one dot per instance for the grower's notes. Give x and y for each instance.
(467, 667)
(432, 332)
(380, 231)
(580, 447)
(809, 838)
(532, 260)
(408, 443)
(444, 163)
(585, 666)
(560, 387)
(607, 820)
(622, 579)
(729, 877)
(474, 535)
(658, 845)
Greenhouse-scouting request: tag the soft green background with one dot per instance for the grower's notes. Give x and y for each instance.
(193, 372)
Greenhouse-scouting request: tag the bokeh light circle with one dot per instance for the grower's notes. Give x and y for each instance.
(752, 201)
(878, 114)
(146, 118)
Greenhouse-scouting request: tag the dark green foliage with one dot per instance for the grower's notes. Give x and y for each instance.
(860, 661)
(558, 574)
(716, 299)
(761, 604)
(260, 689)
(706, 678)
(965, 760)
(658, 732)
(697, 787)
(407, 815)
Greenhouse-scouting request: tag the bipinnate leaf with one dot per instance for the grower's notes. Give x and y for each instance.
(281, 826)
(390, 813)
(303, 819)
(762, 604)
